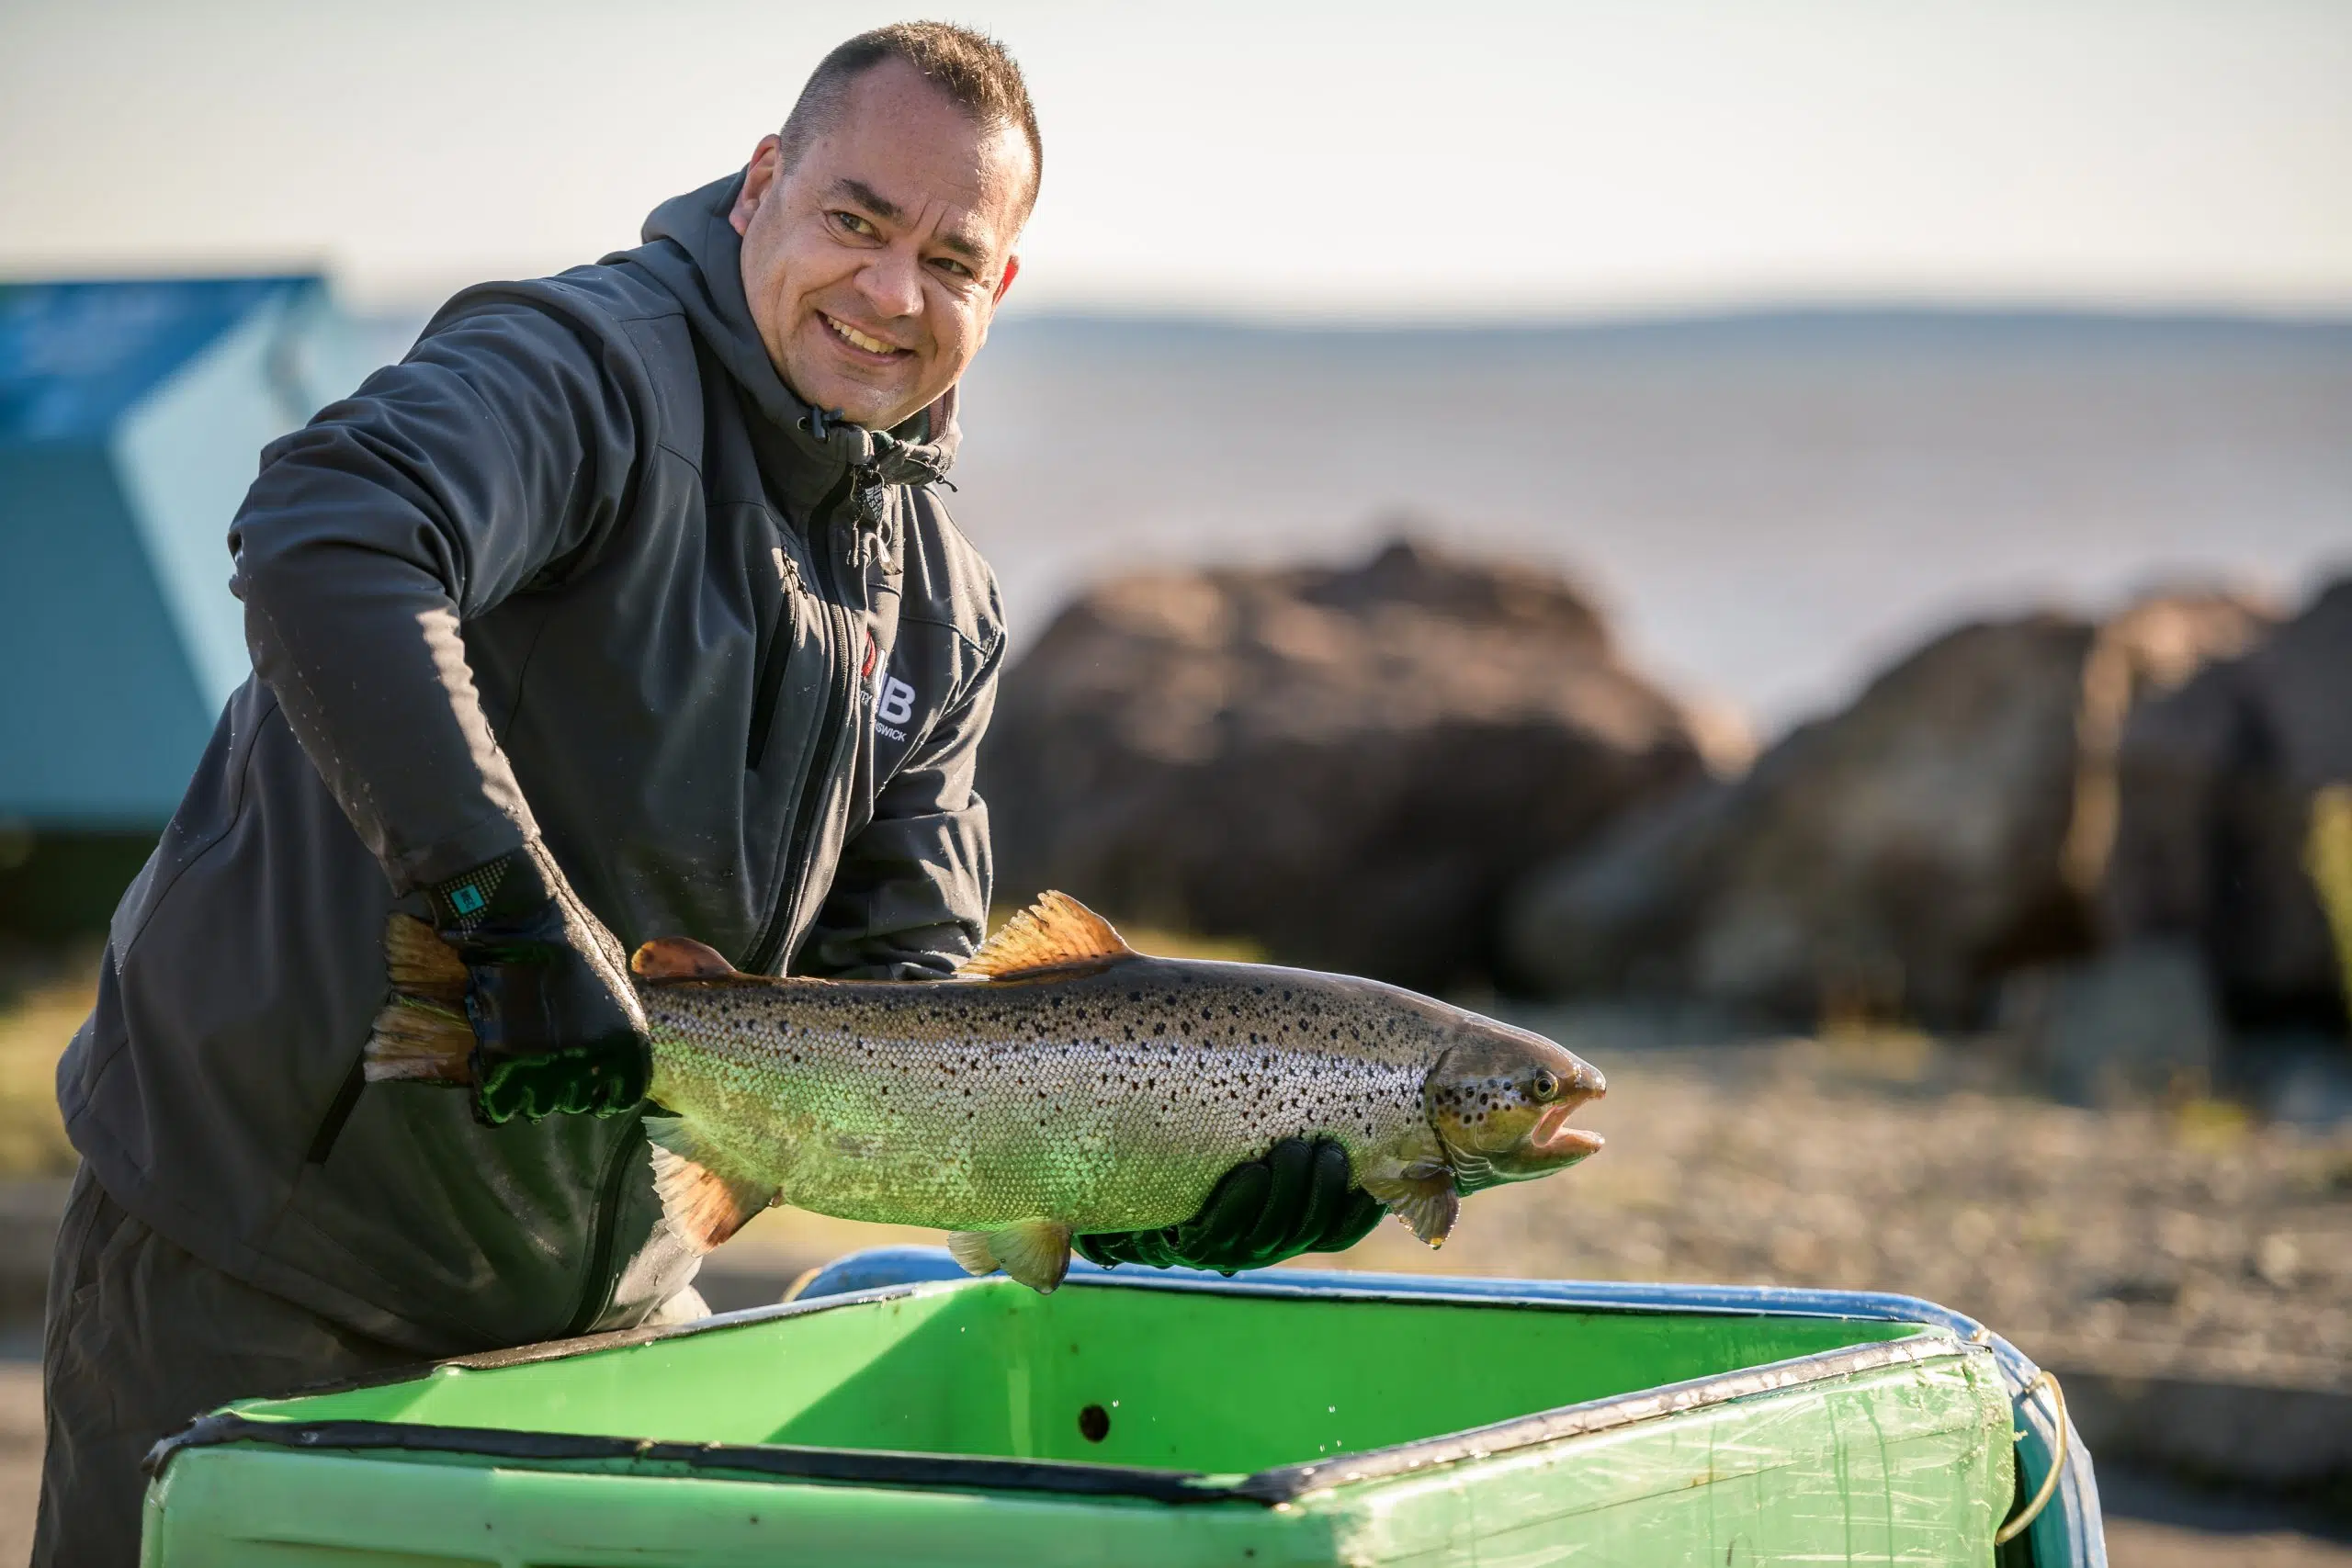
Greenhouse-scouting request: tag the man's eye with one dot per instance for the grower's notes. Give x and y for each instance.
(856, 225)
(953, 268)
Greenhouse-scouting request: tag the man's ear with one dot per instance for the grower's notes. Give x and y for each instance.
(1004, 284)
(758, 175)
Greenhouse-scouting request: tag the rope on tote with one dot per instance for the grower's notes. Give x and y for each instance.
(2032, 1511)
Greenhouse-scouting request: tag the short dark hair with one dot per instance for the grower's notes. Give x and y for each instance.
(978, 74)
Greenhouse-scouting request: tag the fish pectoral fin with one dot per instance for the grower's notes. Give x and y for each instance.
(1431, 1213)
(1036, 1252)
(1423, 1197)
(701, 1202)
(1052, 933)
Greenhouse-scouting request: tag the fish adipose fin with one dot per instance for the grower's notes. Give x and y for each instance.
(681, 958)
(1036, 1252)
(1052, 933)
(702, 1202)
(422, 1035)
(1422, 1195)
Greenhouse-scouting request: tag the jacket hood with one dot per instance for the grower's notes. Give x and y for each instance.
(693, 252)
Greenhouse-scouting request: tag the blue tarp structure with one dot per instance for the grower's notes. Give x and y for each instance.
(132, 414)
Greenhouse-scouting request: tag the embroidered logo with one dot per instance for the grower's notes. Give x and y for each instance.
(898, 701)
(895, 707)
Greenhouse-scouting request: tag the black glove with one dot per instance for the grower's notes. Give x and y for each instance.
(1296, 1198)
(556, 1021)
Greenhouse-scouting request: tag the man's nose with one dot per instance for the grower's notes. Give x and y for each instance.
(892, 282)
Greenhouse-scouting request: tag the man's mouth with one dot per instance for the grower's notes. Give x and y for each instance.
(861, 341)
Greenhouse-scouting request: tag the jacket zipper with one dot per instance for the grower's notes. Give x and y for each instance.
(594, 1288)
(817, 789)
(771, 683)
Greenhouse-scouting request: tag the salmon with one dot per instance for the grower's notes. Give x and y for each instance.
(1062, 1084)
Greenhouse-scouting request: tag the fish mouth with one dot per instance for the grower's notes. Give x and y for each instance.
(1552, 1142)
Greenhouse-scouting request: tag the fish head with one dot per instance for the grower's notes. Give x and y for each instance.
(1500, 1100)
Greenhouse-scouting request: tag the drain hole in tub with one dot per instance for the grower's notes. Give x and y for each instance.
(1094, 1423)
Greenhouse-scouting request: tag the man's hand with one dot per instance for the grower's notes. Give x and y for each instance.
(1296, 1199)
(556, 1021)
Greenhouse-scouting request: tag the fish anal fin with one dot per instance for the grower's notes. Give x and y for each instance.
(680, 958)
(702, 1202)
(1052, 933)
(1423, 1197)
(970, 1249)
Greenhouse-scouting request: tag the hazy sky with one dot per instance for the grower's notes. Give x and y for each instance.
(1451, 160)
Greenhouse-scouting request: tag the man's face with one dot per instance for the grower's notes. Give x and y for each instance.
(874, 265)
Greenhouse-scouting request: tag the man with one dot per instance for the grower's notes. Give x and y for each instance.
(622, 607)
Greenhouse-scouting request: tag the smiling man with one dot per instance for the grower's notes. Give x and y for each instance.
(622, 607)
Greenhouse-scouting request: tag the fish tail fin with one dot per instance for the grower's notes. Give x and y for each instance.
(422, 1035)
(701, 1199)
(1036, 1252)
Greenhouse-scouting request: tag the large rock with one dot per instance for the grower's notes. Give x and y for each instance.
(2216, 784)
(2150, 650)
(2132, 1022)
(1894, 860)
(1348, 766)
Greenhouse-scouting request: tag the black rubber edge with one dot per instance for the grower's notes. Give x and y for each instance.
(611, 1339)
(885, 1466)
(867, 1465)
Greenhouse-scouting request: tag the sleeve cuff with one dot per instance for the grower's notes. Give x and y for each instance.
(416, 870)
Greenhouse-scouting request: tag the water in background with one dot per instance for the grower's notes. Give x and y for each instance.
(1770, 504)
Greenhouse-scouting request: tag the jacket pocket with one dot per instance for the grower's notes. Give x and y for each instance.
(338, 1113)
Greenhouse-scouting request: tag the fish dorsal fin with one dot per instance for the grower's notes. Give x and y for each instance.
(1055, 931)
(680, 958)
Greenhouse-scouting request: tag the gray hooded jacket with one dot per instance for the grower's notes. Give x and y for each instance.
(580, 567)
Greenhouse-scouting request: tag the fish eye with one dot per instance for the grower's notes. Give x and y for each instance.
(1547, 1083)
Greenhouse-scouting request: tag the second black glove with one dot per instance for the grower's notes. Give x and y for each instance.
(1299, 1197)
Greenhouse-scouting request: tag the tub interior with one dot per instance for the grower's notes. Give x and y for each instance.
(1166, 1378)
